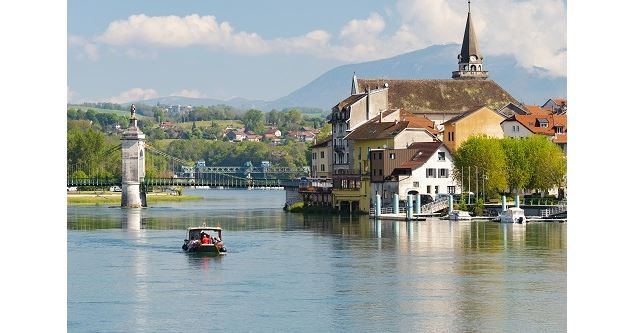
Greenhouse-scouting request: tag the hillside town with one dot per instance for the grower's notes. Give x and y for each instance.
(394, 136)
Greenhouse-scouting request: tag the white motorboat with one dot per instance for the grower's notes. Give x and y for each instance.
(459, 215)
(512, 215)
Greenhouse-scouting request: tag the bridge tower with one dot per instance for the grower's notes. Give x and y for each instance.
(132, 164)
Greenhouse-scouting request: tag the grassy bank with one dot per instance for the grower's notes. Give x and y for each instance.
(109, 198)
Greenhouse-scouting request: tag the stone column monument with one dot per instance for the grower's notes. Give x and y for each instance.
(132, 164)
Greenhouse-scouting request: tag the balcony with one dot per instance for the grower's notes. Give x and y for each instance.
(347, 182)
(470, 74)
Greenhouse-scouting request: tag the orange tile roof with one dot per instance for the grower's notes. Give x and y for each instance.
(535, 109)
(530, 122)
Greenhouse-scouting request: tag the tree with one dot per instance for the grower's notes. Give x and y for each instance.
(325, 132)
(483, 155)
(273, 117)
(518, 168)
(547, 161)
(254, 121)
(196, 132)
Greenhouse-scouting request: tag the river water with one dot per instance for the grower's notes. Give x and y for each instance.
(293, 273)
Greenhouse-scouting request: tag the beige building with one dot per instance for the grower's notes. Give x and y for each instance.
(481, 120)
(321, 153)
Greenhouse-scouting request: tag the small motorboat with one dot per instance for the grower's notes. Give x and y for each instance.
(459, 215)
(512, 215)
(204, 240)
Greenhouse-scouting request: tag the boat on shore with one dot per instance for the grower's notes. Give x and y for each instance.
(204, 239)
(512, 215)
(459, 215)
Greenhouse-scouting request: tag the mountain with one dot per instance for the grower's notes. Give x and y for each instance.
(434, 62)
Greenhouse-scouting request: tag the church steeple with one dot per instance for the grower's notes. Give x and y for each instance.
(354, 88)
(470, 58)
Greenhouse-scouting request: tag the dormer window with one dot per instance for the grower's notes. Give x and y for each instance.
(542, 122)
(558, 129)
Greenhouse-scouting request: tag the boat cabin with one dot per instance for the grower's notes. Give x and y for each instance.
(196, 233)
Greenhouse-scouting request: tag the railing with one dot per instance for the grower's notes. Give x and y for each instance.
(435, 206)
(562, 207)
(217, 182)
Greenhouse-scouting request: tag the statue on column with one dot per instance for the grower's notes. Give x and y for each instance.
(133, 111)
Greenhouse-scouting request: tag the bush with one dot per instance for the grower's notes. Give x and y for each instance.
(479, 205)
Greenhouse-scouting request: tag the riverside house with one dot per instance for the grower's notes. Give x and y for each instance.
(421, 168)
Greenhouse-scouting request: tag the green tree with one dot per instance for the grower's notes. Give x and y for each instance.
(196, 132)
(325, 132)
(483, 155)
(254, 121)
(518, 168)
(548, 163)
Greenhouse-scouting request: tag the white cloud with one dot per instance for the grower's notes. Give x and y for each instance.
(176, 31)
(134, 94)
(534, 32)
(87, 49)
(189, 93)
(359, 30)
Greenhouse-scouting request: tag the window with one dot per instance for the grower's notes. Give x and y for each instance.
(381, 155)
(443, 173)
(322, 167)
(415, 184)
(321, 154)
(381, 171)
(374, 172)
(441, 156)
(392, 156)
(436, 189)
(431, 173)
(451, 189)
(558, 129)
(314, 155)
(346, 158)
(428, 189)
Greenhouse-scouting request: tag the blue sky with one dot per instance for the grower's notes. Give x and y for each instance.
(124, 50)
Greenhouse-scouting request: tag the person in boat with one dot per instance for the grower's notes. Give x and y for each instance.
(205, 239)
(193, 244)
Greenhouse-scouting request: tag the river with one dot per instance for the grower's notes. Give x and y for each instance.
(293, 273)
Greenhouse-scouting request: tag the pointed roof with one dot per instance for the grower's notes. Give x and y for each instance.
(470, 46)
(354, 90)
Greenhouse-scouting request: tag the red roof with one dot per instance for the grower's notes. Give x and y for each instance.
(536, 110)
(532, 123)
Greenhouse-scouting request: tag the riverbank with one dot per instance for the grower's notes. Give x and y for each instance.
(114, 198)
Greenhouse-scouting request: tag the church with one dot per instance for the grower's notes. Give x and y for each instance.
(438, 100)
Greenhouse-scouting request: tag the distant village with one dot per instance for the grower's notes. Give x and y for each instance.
(399, 136)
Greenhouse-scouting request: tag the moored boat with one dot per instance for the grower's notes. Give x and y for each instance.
(512, 215)
(204, 240)
(459, 215)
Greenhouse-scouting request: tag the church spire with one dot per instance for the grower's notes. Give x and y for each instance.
(470, 58)
(354, 87)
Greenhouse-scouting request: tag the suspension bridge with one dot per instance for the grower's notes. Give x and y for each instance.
(175, 172)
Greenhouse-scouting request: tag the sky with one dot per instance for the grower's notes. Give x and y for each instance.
(123, 50)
